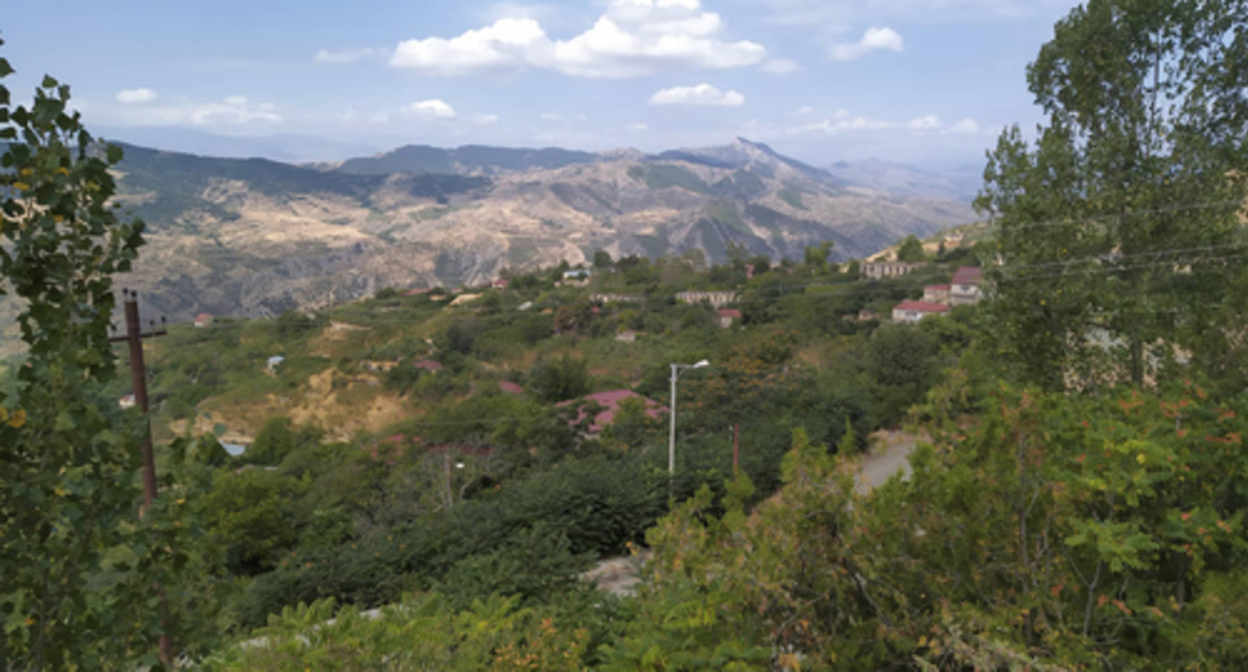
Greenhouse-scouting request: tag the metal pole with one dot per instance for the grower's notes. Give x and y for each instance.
(671, 443)
(138, 375)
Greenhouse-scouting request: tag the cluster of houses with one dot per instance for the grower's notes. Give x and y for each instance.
(964, 290)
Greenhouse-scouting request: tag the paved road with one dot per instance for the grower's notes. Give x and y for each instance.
(891, 457)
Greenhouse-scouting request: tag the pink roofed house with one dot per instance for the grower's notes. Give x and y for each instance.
(509, 387)
(936, 294)
(610, 402)
(965, 290)
(429, 365)
(727, 316)
(203, 320)
(910, 312)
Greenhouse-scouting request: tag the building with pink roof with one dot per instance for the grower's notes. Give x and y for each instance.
(610, 403)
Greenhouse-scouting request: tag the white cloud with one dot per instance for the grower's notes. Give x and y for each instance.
(552, 116)
(232, 111)
(841, 15)
(843, 122)
(637, 127)
(780, 66)
(702, 94)
(347, 55)
(632, 39)
(925, 123)
(140, 95)
(964, 127)
(804, 111)
(485, 120)
(873, 39)
(430, 110)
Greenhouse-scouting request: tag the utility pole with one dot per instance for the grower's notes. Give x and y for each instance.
(671, 441)
(736, 446)
(138, 375)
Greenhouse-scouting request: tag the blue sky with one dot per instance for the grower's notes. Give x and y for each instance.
(921, 81)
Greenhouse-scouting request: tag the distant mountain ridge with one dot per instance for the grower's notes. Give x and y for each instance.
(253, 236)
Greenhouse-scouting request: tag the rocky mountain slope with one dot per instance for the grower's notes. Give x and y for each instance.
(253, 237)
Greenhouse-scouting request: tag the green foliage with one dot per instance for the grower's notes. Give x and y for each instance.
(603, 260)
(1115, 225)
(252, 514)
(277, 439)
(559, 380)
(76, 566)
(419, 633)
(1063, 532)
(911, 250)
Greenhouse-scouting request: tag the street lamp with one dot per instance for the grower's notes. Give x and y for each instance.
(671, 444)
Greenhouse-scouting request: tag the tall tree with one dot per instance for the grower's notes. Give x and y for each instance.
(911, 250)
(68, 496)
(1117, 226)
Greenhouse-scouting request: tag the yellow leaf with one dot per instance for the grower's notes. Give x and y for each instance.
(18, 419)
(21, 186)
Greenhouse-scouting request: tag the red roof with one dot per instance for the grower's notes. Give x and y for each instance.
(428, 365)
(967, 275)
(922, 306)
(203, 317)
(730, 312)
(502, 282)
(510, 387)
(416, 292)
(938, 288)
(610, 401)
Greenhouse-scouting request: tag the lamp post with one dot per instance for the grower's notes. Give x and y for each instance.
(671, 444)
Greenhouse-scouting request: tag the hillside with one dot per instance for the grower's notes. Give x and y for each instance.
(256, 237)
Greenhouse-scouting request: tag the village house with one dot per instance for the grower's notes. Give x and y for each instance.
(878, 270)
(716, 299)
(610, 404)
(501, 283)
(614, 298)
(628, 336)
(965, 290)
(203, 320)
(126, 402)
(430, 365)
(727, 316)
(936, 294)
(911, 312)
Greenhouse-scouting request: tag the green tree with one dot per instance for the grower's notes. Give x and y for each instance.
(911, 250)
(559, 380)
(603, 260)
(816, 257)
(75, 565)
(1114, 228)
(279, 438)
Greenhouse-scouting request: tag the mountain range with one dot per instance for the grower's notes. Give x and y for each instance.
(232, 236)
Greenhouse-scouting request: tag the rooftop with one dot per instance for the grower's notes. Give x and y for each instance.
(967, 275)
(922, 306)
(610, 401)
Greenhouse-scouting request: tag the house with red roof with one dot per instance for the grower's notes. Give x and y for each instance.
(965, 290)
(430, 365)
(727, 316)
(937, 294)
(203, 320)
(910, 312)
(610, 404)
(501, 283)
(508, 387)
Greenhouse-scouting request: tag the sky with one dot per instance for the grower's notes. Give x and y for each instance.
(925, 82)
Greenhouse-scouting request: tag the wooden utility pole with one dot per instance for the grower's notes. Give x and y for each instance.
(138, 375)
